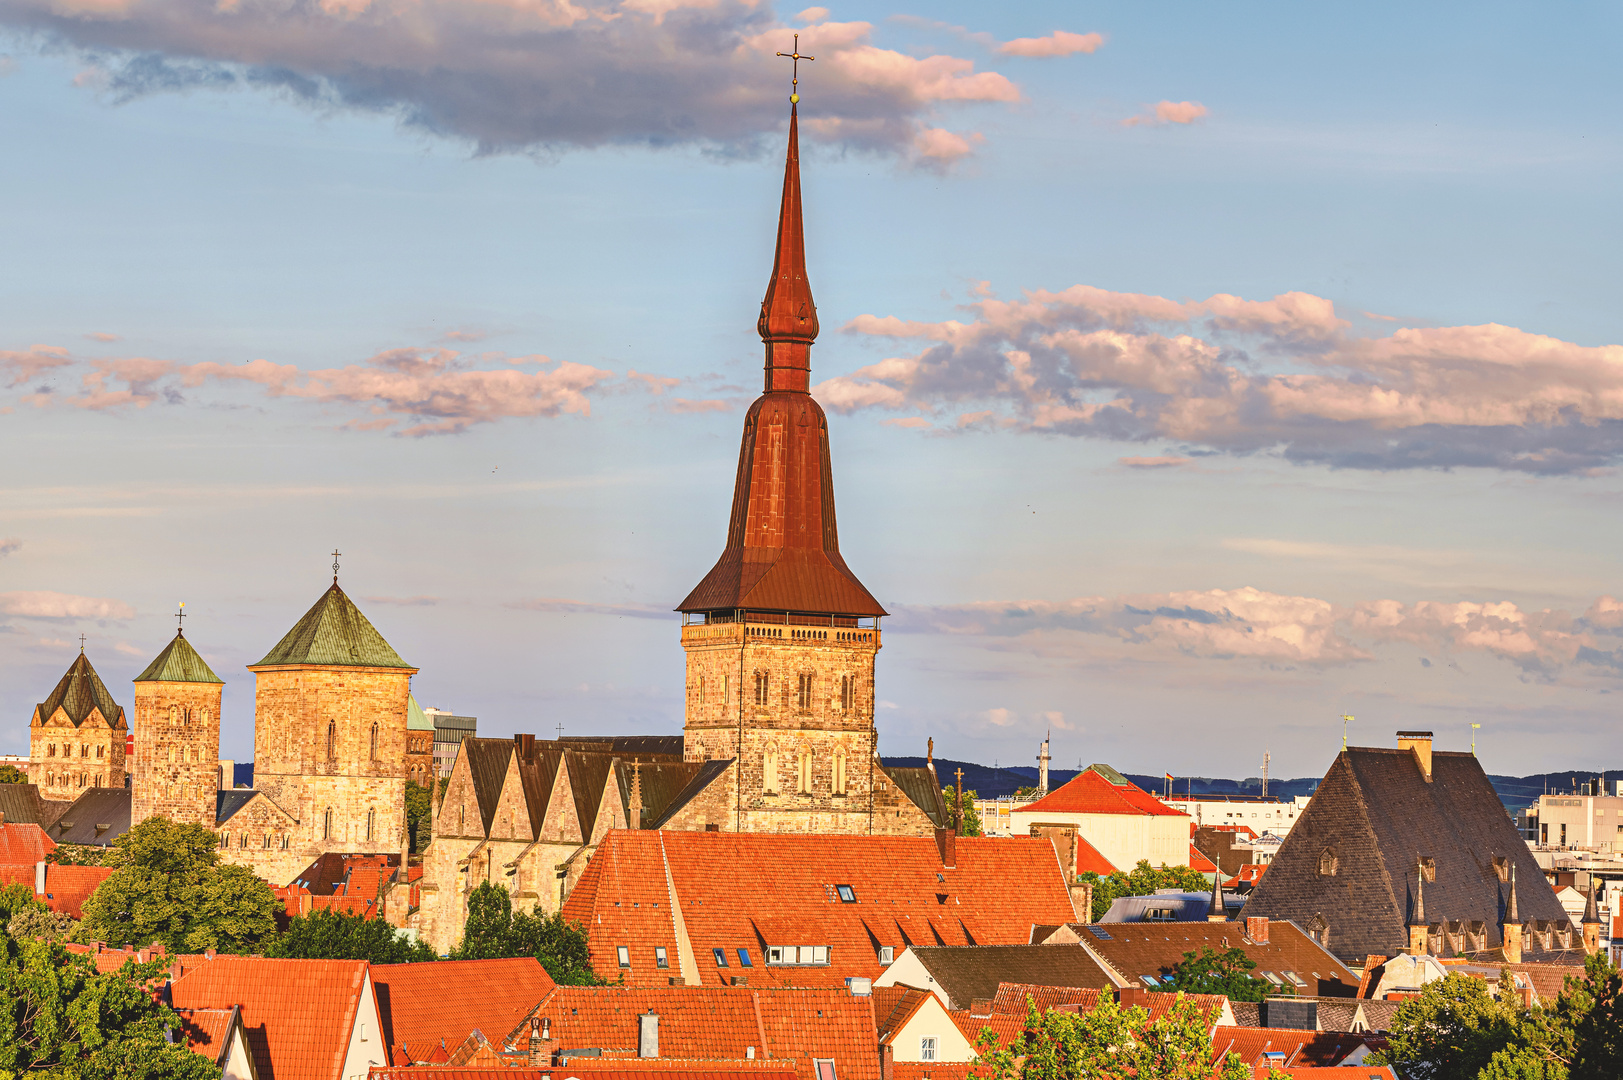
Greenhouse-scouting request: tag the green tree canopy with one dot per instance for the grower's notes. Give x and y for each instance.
(494, 930)
(1221, 971)
(1452, 1031)
(170, 888)
(419, 816)
(972, 816)
(1142, 881)
(15, 898)
(40, 921)
(59, 1018)
(1110, 1041)
(337, 935)
(10, 774)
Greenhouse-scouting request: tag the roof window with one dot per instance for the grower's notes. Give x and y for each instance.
(848, 895)
(744, 958)
(623, 953)
(1296, 979)
(1150, 981)
(1099, 932)
(1271, 977)
(660, 960)
(721, 957)
(825, 1068)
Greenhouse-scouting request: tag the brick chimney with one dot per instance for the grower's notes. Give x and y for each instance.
(1420, 743)
(946, 842)
(1256, 928)
(1133, 996)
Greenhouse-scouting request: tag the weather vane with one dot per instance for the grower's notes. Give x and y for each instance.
(180, 618)
(335, 566)
(794, 79)
(1345, 720)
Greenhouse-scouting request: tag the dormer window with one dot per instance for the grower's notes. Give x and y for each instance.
(623, 954)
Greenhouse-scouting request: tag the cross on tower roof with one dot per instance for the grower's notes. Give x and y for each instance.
(81, 644)
(794, 79)
(335, 566)
(180, 617)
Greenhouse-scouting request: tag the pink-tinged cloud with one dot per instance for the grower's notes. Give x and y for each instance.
(1251, 624)
(585, 607)
(20, 366)
(1059, 43)
(1284, 376)
(1167, 112)
(654, 384)
(507, 75)
(704, 405)
(9, 545)
(1164, 462)
(139, 375)
(55, 605)
(942, 147)
(102, 336)
(907, 422)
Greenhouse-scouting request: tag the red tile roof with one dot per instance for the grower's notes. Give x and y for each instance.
(600, 1069)
(1006, 1026)
(1249, 874)
(931, 1070)
(21, 844)
(1198, 862)
(750, 891)
(1310, 1072)
(298, 1013)
(1012, 998)
(66, 887)
(1088, 858)
(447, 1000)
(1318, 1048)
(206, 1030)
(1090, 793)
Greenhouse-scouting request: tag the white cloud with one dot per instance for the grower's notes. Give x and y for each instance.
(55, 605)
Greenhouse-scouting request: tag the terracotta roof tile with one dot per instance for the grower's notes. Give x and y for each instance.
(600, 1069)
(66, 887)
(1090, 793)
(1315, 1048)
(425, 1004)
(298, 1013)
(931, 1070)
(205, 1030)
(23, 844)
(1135, 950)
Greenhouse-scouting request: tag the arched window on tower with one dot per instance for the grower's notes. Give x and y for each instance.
(332, 740)
(371, 820)
(769, 772)
(701, 690)
(186, 718)
(726, 689)
(202, 716)
(761, 688)
(174, 716)
(839, 772)
(374, 745)
(805, 772)
(326, 824)
(848, 693)
(803, 694)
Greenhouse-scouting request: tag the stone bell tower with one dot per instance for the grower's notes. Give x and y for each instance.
(177, 737)
(780, 635)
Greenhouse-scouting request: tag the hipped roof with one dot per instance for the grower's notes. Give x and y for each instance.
(80, 691)
(178, 662)
(333, 633)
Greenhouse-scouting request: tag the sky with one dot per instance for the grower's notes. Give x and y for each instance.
(1197, 375)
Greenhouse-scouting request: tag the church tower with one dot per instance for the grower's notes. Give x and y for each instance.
(177, 737)
(330, 713)
(780, 636)
(76, 736)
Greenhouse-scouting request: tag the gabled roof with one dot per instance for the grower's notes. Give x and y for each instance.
(1099, 789)
(66, 887)
(208, 1031)
(425, 1004)
(1309, 1048)
(98, 817)
(487, 770)
(1135, 950)
(333, 633)
(22, 803)
(78, 692)
(667, 787)
(23, 843)
(920, 785)
(588, 775)
(1374, 815)
(894, 1006)
(967, 974)
(178, 662)
(298, 1013)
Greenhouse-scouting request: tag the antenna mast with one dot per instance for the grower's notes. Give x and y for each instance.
(1265, 759)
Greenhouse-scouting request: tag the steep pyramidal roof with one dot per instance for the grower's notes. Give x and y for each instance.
(333, 633)
(178, 662)
(783, 549)
(416, 718)
(79, 691)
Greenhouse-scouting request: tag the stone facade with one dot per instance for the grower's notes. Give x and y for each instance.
(177, 752)
(420, 756)
(264, 837)
(76, 736)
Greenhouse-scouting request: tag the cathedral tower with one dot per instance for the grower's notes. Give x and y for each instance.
(76, 736)
(780, 636)
(177, 738)
(330, 705)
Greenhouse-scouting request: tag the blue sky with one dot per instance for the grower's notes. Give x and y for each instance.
(1257, 366)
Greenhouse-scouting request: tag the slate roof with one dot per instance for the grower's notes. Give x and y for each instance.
(1134, 950)
(922, 786)
(23, 804)
(966, 974)
(1376, 812)
(423, 1005)
(333, 633)
(752, 890)
(22, 843)
(1320, 1049)
(667, 787)
(643, 746)
(1185, 906)
(79, 691)
(1099, 789)
(229, 801)
(298, 1013)
(487, 768)
(178, 662)
(82, 821)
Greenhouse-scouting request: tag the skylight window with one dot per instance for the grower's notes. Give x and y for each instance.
(1271, 977)
(624, 954)
(848, 895)
(721, 957)
(660, 960)
(744, 958)
(1295, 978)
(1150, 981)
(1099, 932)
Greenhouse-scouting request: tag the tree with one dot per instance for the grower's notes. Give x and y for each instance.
(1142, 881)
(1110, 1041)
(972, 816)
(337, 935)
(419, 816)
(59, 1018)
(1225, 972)
(493, 930)
(15, 898)
(40, 921)
(79, 855)
(10, 774)
(1453, 1031)
(170, 888)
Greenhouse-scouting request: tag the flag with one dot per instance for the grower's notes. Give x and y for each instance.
(1169, 778)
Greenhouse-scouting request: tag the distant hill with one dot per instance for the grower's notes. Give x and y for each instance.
(989, 782)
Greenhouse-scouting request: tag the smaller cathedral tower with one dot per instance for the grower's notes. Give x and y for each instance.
(177, 737)
(76, 736)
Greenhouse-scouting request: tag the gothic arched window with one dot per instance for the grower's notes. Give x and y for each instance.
(761, 688)
(174, 716)
(803, 694)
(839, 772)
(326, 825)
(332, 740)
(374, 744)
(805, 772)
(848, 693)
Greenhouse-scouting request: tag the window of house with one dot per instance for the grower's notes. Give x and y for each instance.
(805, 772)
(927, 1048)
(623, 953)
(803, 696)
(371, 819)
(721, 957)
(774, 954)
(660, 960)
(848, 693)
(244, 841)
(326, 825)
(744, 958)
(887, 954)
(99, 750)
(225, 840)
(761, 688)
(267, 841)
(848, 895)
(50, 751)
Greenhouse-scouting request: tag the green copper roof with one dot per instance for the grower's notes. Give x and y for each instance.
(334, 633)
(79, 691)
(416, 718)
(178, 662)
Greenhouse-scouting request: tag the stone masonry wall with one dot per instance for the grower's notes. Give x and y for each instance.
(265, 839)
(64, 760)
(177, 752)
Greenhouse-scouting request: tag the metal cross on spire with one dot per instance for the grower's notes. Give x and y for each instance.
(794, 79)
(180, 618)
(335, 566)
(81, 644)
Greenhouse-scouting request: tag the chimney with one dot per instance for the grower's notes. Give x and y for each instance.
(946, 845)
(887, 1059)
(648, 1035)
(39, 877)
(538, 1053)
(1256, 928)
(1420, 743)
(1081, 900)
(1133, 996)
(525, 745)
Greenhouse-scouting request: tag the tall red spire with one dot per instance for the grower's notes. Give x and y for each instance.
(783, 550)
(788, 323)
